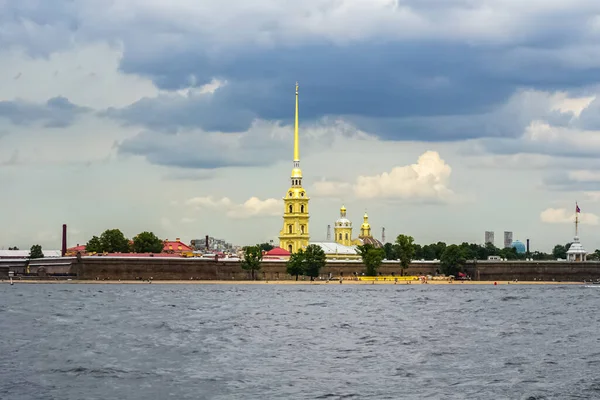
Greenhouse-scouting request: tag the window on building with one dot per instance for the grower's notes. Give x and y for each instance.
(346, 236)
(340, 236)
(302, 208)
(289, 228)
(291, 208)
(302, 228)
(290, 248)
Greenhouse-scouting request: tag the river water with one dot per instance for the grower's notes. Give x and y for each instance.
(94, 341)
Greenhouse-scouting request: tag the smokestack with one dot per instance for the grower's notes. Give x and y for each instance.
(207, 242)
(63, 251)
(527, 245)
(383, 235)
(329, 233)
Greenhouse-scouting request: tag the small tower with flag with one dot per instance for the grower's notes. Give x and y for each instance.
(576, 252)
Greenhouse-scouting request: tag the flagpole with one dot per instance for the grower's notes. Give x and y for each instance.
(576, 219)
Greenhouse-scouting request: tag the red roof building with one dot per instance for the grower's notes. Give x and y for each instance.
(176, 246)
(72, 251)
(277, 254)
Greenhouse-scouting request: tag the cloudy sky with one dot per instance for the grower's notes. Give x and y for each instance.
(441, 118)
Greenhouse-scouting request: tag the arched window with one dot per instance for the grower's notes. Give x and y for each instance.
(289, 228)
(302, 228)
(290, 248)
(291, 208)
(340, 236)
(302, 208)
(346, 236)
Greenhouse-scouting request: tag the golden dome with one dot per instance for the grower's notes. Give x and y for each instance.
(296, 173)
(365, 224)
(343, 209)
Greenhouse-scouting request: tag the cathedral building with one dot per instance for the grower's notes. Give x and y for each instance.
(294, 234)
(343, 232)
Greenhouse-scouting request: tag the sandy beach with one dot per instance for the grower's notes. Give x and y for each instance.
(286, 282)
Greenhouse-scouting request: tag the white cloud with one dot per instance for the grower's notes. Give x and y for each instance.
(562, 216)
(253, 207)
(332, 189)
(574, 104)
(584, 175)
(427, 179)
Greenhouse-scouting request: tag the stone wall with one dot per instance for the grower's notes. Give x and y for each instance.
(534, 270)
(195, 268)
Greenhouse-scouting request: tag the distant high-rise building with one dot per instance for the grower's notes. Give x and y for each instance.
(508, 239)
(489, 237)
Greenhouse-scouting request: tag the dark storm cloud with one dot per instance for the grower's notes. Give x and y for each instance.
(398, 91)
(57, 112)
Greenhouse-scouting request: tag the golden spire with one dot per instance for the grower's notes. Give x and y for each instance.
(296, 172)
(296, 147)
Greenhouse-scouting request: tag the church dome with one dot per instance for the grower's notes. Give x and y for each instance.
(342, 220)
(372, 241)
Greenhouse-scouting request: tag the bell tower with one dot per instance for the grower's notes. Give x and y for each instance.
(294, 235)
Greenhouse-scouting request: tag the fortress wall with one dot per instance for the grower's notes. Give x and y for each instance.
(184, 269)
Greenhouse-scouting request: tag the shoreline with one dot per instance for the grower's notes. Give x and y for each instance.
(285, 282)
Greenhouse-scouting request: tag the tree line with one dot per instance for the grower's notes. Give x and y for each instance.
(114, 241)
(453, 258)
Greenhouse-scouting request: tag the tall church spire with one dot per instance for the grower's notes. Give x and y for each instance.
(296, 172)
(294, 235)
(296, 144)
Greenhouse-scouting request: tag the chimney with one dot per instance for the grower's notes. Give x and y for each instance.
(63, 251)
(383, 235)
(206, 242)
(527, 246)
(328, 233)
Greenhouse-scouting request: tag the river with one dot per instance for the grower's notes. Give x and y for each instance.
(95, 341)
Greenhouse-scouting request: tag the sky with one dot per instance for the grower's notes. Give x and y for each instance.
(440, 118)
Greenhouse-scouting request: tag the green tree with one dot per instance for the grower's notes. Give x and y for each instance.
(406, 249)
(147, 242)
(13, 248)
(266, 246)
(295, 265)
(36, 252)
(390, 251)
(314, 260)
(452, 260)
(371, 258)
(559, 251)
(113, 241)
(94, 245)
(595, 256)
(252, 259)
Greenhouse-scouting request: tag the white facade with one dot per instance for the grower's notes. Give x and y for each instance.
(576, 252)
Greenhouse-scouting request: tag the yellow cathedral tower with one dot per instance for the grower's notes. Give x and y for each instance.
(294, 235)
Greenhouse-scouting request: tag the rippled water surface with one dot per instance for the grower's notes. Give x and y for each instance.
(93, 341)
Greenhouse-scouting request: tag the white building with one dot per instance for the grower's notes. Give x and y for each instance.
(576, 252)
